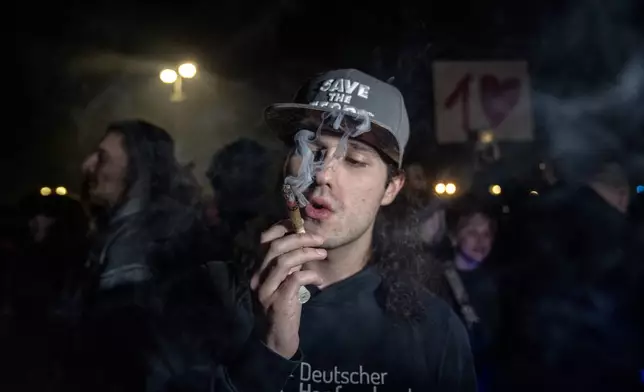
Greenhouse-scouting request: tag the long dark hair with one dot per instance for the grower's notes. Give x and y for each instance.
(408, 271)
(398, 254)
(170, 219)
(152, 168)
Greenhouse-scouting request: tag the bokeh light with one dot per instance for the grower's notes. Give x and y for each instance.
(168, 76)
(450, 189)
(187, 70)
(534, 193)
(45, 191)
(487, 137)
(440, 188)
(61, 191)
(639, 189)
(495, 190)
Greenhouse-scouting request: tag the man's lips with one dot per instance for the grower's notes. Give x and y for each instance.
(318, 209)
(320, 202)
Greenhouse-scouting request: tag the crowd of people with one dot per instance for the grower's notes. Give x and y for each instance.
(144, 284)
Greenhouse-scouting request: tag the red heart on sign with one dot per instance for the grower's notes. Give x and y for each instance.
(498, 98)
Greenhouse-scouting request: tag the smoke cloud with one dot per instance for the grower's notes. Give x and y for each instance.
(313, 163)
(589, 75)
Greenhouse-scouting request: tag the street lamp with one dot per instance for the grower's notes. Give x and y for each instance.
(170, 76)
(487, 137)
(187, 70)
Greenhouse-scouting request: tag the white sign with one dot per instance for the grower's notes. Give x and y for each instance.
(470, 96)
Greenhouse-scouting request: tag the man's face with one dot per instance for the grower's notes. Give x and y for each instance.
(347, 194)
(104, 171)
(39, 226)
(475, 237)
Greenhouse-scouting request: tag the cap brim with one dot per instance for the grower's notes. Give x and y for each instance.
(286, 119)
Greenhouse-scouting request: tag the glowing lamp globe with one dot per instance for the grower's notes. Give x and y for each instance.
(495, 190)
(187, 70)
(168, 76)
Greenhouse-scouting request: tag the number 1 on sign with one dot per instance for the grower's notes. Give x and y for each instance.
(461, 93)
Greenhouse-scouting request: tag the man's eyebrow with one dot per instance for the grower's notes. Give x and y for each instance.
(361, 147)
(353, 144)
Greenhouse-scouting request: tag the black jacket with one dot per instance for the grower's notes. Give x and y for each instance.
(147, 312)
(190, 327)
(574, 307)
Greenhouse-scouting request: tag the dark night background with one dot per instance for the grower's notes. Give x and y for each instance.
(69, 53)
(82, 65)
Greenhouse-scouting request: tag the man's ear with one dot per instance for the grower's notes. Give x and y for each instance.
(392, 190)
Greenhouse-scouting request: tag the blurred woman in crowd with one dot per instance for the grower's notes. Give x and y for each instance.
(472, 230)
(470, 278)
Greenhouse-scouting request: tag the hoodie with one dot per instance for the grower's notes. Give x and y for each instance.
(349, 343)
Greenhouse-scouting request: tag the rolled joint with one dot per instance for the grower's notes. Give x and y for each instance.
(293, 209)
(303, 295)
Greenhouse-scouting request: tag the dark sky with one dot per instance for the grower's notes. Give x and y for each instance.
(68, 51)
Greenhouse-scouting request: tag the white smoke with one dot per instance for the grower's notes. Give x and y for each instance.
(313, 163)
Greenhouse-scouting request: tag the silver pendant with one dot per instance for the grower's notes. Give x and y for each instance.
(303, 295)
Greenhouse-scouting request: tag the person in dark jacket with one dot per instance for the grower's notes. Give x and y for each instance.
(472, 280)
(49, 260)
(139, 314)
(573, 309)
(239, 175)
(55, 250)
(341, 308)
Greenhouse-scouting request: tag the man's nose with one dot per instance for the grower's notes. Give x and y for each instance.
(89, 163)
(324, 176)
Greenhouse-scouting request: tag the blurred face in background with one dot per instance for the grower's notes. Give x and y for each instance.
(105, 170)
(39, 226)
(416, 178)
(475, 236)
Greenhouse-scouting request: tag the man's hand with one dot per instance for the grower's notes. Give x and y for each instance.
(278, 281)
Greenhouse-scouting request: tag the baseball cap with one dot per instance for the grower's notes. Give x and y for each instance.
(351, 92)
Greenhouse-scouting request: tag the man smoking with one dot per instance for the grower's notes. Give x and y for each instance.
(366, 311)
